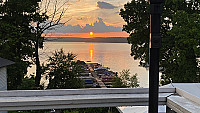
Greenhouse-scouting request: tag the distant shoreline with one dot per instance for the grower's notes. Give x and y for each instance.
(95, 39)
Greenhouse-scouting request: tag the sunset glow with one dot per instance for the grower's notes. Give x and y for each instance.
(90, 19)
(87, 35)
(87, 11)
(91, 33)
(91, 49)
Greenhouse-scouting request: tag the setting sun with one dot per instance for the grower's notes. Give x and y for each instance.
(91, 33)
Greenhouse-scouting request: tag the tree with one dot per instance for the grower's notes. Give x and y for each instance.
(63, 71)
(136, 15)
(180, 37)
(92, 110)
(46, 18)
(16, 37)
(27, 84)
(185, 62)
(22, 24)
(125, 80)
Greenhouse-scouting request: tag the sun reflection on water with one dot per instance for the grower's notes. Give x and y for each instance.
(91, 51)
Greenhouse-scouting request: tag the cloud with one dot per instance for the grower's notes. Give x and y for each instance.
(98, 27)
(117, 12)
(77, 1)
(105, 5)
(69, 3)
(79, 18)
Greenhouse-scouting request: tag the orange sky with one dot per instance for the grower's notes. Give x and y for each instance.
(89, 15)
(87, 35)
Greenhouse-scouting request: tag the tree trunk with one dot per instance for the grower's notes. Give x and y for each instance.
(38, 74)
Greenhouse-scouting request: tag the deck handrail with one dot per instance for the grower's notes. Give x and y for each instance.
(78, 98)
(85, 91)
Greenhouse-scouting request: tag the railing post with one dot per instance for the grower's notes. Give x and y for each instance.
(154, 49)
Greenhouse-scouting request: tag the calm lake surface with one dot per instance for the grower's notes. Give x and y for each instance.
(116, 56)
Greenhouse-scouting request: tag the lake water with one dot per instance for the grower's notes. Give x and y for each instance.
(116, 56)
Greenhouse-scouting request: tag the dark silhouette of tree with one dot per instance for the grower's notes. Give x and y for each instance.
(63, 71)
(180, 37)
(16, 38)
(47, 16)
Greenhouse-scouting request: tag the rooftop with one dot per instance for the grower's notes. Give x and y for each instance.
(5, 62)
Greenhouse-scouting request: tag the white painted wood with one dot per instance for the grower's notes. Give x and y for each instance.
(3, 81)
(73, 106)
(89, 91)
(188, 92)
(77, 98)
(182, 105)
(191, 88)
(188, 95)
(3, 78)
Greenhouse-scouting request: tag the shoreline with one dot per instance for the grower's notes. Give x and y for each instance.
(95, 39)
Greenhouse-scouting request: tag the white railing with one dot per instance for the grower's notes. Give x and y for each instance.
(180, 97)
(78, 98)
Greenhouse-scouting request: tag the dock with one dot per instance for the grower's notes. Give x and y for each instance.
(94, 74)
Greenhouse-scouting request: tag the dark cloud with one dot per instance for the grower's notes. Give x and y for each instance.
(98, 27)
(105, 5)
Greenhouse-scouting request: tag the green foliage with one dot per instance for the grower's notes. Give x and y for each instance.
(31, 111)
(27, 84)
(16, 38)
(75, 110)
(117, 83)
(93, 110)
(180, 37)
(63, 71)
(125, 80)
(136, 15)
(183, 64)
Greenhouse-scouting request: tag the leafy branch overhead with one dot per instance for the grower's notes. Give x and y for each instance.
(180, 26)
